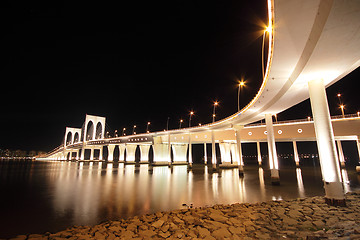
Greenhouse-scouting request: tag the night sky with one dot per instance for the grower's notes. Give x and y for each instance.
(131, 62)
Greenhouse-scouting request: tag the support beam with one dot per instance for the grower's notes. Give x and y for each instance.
(205, 154)
(91, 153)
(122, 148)
(341, 153)
(258, 153)
(111, 148)
(239, 152)
(101, 153)
(225, 154)
(358, 148)
(144, 153)
(213, 150)
(273, 160)
(130, 153)
(179, 151)
(296, 154)
(330, 169)
(190, 151)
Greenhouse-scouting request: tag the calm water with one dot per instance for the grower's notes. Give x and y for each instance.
(49, 196)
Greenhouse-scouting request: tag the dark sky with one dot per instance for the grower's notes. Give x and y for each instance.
(132, 62)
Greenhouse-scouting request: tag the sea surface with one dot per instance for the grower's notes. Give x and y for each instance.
(38, 197)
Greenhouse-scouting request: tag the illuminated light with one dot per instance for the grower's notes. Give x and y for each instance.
(268, 29)
(250, 133)
(265, 132)
(279, 132)
(196, 136)
(299, 130)
(205, 136)
(241, 83)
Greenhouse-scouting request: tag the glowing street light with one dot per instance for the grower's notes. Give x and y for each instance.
(115, 133)
(147, 127)
(181, 121)
(342, 110)
(216, 103)
(123, 132)
(241, 84)
(134, 130)
(191, 113)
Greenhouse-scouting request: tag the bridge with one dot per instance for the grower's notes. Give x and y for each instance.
(311, 44)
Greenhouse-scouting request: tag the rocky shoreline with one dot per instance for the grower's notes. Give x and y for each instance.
(302, 218)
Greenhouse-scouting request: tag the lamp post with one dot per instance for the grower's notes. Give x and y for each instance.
(341, 105)
(215, 105)
(342, 110)
(115, 133)
(241, 84)
(123, 131)
(134, 130)
(147, 127)
(191, 113)
(181, 121)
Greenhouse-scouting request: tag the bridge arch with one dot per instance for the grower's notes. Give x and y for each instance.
(99, 131)
(76, 137)
(89, 130)
(68, 139)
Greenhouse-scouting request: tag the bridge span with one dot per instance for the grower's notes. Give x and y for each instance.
(311, 45)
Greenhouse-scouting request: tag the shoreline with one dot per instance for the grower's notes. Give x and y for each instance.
(301, 218)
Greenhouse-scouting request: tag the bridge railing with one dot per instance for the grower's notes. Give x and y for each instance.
(309, 119)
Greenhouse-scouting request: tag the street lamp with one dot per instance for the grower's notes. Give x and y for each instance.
(342, 110)
(191, 113)
(123, 131)
(115, 133)
(215, 105)
(134, 130)
(147, 127)
(341, 104)
(181, 121)
(241, 84)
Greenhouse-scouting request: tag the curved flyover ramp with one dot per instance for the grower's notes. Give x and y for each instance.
(310, 39)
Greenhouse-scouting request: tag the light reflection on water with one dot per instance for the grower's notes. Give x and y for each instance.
(85, 193)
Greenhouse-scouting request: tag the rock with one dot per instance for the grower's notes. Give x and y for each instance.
(203, 232)
(221, 233)
(164, 234)
(289, 221)
(319, 224)
(147, 233)
(158, 223)
(236, 230)
(189, 219)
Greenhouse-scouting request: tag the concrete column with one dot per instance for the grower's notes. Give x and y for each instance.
(179, 151)
(258, 153)
(225, 154)
(122, 148)
(161, 152)
(111, 152)
(144, 153)
(169, 149)
(239, 152)
(213, 150)
(330, 169)
(296, 154)
(101, 153)
(205, 153)
(341, 153)
(358, 148)
(91, 153)
(190, 151)
(130, 153)
(273, 160)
